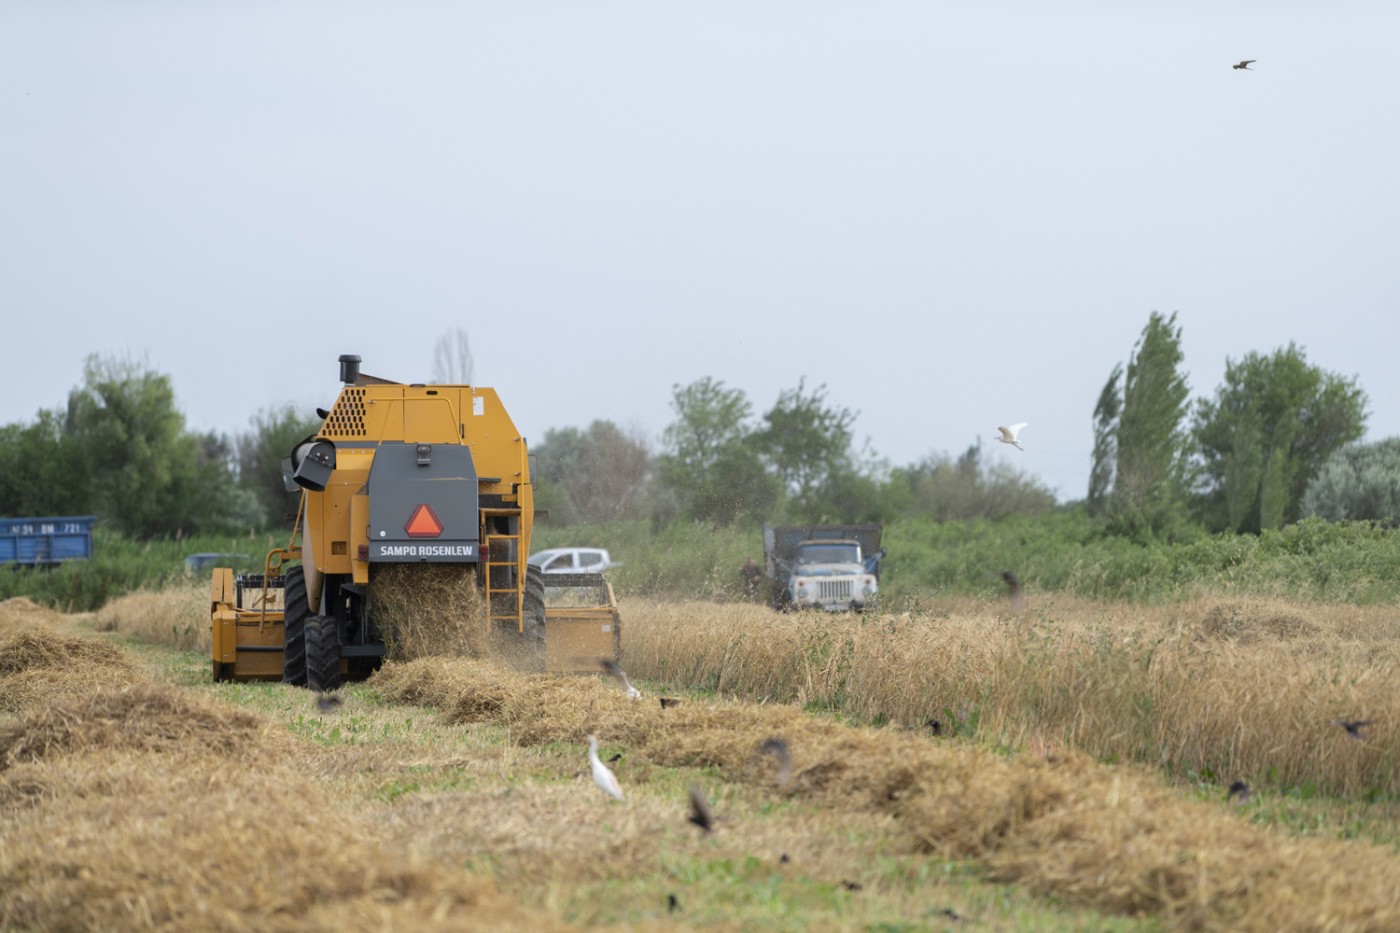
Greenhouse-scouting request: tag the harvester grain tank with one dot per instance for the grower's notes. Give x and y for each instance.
(400, 481)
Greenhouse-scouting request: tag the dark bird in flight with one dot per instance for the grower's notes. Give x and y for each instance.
(778, 749)
(935, 727)
(1244, 65)
(1014, 585)
(668, 702)
(783, 859)
(1239, 793)
(1354, 727)
(328, 702)
(852, 885)
(615, 669)
(616, 757)
(700, 813)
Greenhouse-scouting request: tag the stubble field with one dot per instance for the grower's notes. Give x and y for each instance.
(1075, 778)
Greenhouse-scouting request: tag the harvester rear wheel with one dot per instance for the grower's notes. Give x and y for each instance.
(294, 614)
(322, 654)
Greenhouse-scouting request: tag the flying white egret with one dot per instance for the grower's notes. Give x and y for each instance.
(1008, 435)
(602, 774)
(615, 669)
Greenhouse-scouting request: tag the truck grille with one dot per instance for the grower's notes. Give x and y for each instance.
(347, 418)
(834, 589)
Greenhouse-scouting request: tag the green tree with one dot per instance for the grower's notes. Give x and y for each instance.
(808, 445)
(1265, 435)
(1358, 482)
(1105, 443)
(42, 471)
(966, 487)
(149, 477)
(1149, 482)
(272, 434)
(601, 474)
(710, 460)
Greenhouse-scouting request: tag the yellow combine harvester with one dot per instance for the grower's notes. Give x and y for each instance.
(424, 475)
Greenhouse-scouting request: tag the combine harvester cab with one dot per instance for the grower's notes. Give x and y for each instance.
(400, 476)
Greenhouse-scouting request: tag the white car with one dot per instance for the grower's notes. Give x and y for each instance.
(573, 560)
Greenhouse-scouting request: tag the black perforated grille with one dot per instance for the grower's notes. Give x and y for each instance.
(347, 418)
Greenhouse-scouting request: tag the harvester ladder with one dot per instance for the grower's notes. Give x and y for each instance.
(497, 573)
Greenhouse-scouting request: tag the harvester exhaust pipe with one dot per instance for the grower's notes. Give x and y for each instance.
(349, 368)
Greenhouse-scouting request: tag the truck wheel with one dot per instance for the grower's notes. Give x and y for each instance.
(294, 614)
(322, 654)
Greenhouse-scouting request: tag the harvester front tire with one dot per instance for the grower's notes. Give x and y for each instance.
(294, 615)
(322, 654)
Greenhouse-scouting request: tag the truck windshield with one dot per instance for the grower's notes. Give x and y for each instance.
(829, 554)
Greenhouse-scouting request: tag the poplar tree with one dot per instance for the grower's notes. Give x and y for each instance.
(1150, 441)
(1105, 443)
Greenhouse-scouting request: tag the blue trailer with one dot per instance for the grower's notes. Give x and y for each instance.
(45, 541)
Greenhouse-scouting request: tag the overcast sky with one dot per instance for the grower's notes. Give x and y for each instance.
(952, 215)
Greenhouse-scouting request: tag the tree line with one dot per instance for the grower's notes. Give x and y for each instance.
(1275, 442)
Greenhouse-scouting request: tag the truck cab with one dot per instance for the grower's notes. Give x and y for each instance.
(831, 575)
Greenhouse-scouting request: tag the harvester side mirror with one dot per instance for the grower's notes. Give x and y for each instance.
(312, 463)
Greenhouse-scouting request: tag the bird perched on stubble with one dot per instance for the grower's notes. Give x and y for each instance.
(1239, 792)
(1244, 65)
(602, 774)
(1008, 435)
(615, 669)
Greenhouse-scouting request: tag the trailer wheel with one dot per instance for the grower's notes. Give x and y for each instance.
(533, 606)
(294, 614)
(322, 654)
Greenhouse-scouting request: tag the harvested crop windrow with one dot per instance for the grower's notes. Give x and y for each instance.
(147, 717)
(1112, 837)
(23, 613)
(37, 664)
(149, 806)
(183, 841)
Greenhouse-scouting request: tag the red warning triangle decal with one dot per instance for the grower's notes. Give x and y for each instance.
(423, 524)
